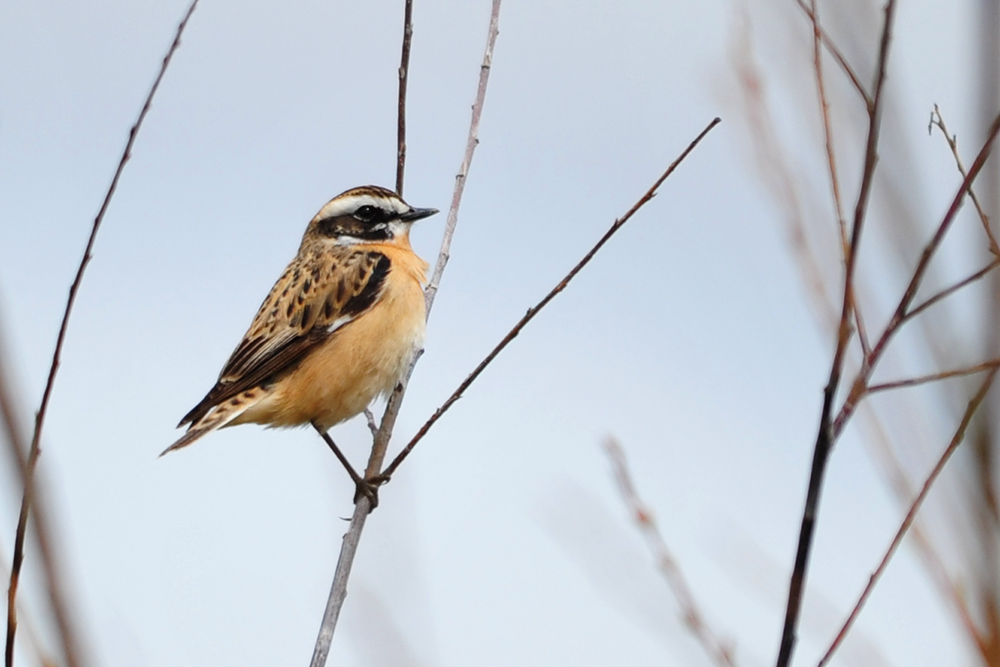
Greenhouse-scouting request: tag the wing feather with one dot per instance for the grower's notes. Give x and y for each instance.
(319, 293)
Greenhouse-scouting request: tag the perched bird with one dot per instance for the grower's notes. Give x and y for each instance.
(336, 330)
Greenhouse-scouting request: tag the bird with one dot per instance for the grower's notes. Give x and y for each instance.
(338, 328)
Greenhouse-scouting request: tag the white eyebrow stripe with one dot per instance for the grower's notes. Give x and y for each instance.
(351, 203)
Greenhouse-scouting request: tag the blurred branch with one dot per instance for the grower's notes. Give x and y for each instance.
(404, 77)
(937, 120)
(943, 294)
(362, 507)
(15, 437)
(534, 310)
(838, 56)
(718, 651)
(911, 514)
(35, 450)
(825, 439)
(934, 377)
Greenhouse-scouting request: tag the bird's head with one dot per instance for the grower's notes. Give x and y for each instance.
(368, 214)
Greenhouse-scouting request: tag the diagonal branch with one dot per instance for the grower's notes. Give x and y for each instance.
(349, 546)
(934, 377)
(839, 57)
(824, 438)
(35, 450)
(534, 310)
(938, 120)
(911, 514)
(717, 650)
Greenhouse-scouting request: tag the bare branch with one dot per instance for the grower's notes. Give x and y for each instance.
(534, 310)
(902, 313)
(404, 77)
(35, 450)
(824, 439)
(839, 57)
(463, 170)
(938, 120)
(717, 650)
(911, 514)
(910, 314)
(372, 426)
(362, 506)
(934, 377)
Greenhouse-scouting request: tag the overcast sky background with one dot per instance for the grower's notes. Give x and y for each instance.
(502, 541)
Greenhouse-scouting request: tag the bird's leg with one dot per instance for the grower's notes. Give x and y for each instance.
(363, 487)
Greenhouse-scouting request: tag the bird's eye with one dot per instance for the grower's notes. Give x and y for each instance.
(366, 213)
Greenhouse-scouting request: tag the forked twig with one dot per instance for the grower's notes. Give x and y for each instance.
(902, 314)
(824, 438)
(916, 310)
(35, 449)
(717, 650)
(534, 310)
(839, 57)
(937, 120)
(349, 546)
(911, 514)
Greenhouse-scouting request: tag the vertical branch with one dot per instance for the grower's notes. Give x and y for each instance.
(824, 441)
(35, 449)
(15, 432)
(404, 77)
(349, 546)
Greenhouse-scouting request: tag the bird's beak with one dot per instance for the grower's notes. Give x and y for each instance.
(415, 214)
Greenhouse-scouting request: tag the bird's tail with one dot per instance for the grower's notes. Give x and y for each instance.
(219, 416)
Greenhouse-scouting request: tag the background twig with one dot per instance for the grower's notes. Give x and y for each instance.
(35, 449)
(717, 650)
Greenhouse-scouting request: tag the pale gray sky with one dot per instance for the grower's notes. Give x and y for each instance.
(690, 337)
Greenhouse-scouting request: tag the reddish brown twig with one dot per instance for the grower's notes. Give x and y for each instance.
(902, 313)
(934, 377)
(404, 77)
(35, 449)
(717, 650)
(937, 120)
(534, 310)
(911, 514)
(839, 57)
(825, 439)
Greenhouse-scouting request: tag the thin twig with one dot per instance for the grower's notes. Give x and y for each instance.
(404, 77)
(938, 120)
(720, 652)
(902, 312)
(841, 60)
(824, 440)
(534, 310)
(463, 170)
(934, 377)
(362, 507)
(372, 426)
(911, 514)
(910, 314)
(15, 432)
(35, 449)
